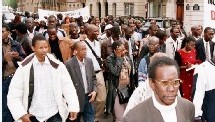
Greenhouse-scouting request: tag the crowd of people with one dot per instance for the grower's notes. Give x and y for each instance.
(58, 70)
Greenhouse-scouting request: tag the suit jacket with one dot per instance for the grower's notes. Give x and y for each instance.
(73, 67)
(106, 48)
(200, 49)
(146, 112)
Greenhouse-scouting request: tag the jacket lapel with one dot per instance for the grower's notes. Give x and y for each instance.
(179, 112)
(87, 72)
(78, 70)
(202, 46)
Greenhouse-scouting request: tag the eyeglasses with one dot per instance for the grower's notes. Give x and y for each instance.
(175, 83)
(152, 45)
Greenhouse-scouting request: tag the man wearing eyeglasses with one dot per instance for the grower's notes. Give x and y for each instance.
(164, 105)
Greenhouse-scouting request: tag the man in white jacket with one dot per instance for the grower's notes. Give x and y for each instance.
(41, 89)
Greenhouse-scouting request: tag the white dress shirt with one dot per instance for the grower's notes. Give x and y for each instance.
(83, 74)
(172, 46)
(97, 48)
(208, 46)
(43, 105)
(167, 112)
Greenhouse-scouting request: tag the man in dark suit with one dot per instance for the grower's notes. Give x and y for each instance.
(205, 45)
(164, 105)
(84, 79)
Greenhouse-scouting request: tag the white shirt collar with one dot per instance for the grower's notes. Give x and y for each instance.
(80, 63)
(36, 61)
(161, 107)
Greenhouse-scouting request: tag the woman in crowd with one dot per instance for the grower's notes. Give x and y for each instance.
(119, 68)
(186, 58)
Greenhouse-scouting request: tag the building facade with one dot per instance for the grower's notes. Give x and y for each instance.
(102, 8)
(193, 15)
(55, 5)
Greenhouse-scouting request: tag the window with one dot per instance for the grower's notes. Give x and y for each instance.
(129, 9)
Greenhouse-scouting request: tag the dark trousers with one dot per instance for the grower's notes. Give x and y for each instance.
(55, 118)
(88, 112)
(6, 115)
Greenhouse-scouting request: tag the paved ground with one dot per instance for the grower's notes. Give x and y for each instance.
(107, 118)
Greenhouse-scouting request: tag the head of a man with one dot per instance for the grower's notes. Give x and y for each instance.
(164, 80)
(128, 32)
(153, 22)
(153, 29)
(5, 33)
(162, 37)
(138, 24)
(30, 23)
(174, 32)
(107, 29)
(52, 32)
(208, 34)
(40, 47)
(92, 32)
(21, 29)
(52, 20)
(173, 23)
(115, 33)
(153, 44)
(80, 49)
(73, 29)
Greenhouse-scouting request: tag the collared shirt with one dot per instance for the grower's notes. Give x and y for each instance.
(10, 67)
(97, 48)
(83, 74)
(208, 46)
(43, 105)
(31, 35)
(167, 112)
(172, 46)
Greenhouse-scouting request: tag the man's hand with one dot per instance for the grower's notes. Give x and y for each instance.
(15, 55)
(93, 96)
(73, 115)
(26, 118)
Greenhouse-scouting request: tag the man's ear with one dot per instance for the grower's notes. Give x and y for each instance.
(32, 47)
(152, 84)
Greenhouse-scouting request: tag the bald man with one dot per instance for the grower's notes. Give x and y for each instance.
(196, 32)
(94, 46)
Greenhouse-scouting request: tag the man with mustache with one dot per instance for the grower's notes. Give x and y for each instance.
(164, 105)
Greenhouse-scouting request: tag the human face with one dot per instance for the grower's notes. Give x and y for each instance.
(52, 34)
(40, 49)
(175, 33)
(81, 51)
(82, 29)
(154, 31)
(5, 34)
(152, 46)
(30, 23)
(208, 36)
(120, 51)
(97, 21)
(52, 21)
(165, 95)
(190, 45)
(94, 32)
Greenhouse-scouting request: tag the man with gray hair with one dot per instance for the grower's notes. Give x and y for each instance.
(153, 44)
